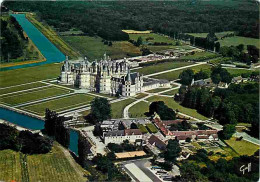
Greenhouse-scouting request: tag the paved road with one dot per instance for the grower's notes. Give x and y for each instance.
(247, 137)
(175, 69)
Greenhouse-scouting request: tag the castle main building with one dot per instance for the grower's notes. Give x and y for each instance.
(105, 76)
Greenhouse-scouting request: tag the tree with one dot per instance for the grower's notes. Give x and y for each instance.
(100, 109)
(173, 150)
(201, 75)
(133, 126)
(186, 77)
(49, 124)
(228, 131)
(162, 110)
(217, 46)
(8, 137)
(83, 149)
(139, 41)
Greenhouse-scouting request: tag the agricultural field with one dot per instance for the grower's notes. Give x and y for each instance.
(118, 107)
(94, 48)
(242, 147)
(54, 166)
(162, 67)
(33, 95)
(170, 102)
(53, 37)
(60, 104)
(138, 110)
(173, 75)
(27, 75)
(21, 87)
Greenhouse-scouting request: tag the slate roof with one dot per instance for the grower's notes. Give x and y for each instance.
(133, 132)
(154, 140)
(115, 133)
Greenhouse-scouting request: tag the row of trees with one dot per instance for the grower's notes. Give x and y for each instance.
(162, 110)
(107, 19)
(217, 75)
(11, 46)
(238, 103)
(23, 141)
(54, 126)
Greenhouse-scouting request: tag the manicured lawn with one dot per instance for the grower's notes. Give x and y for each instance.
(142, 128)
(38, 94)
(53, 166)
(118, 107)
(29, 74)
(237, 72)
(172, 92)
(173, 75)
(170, 102)
(157, 90)
(198, 55)
(139, 109)
(94, 48)
(151, 128)
(21, 87)
(60, 104)
(242, 147)
(141, 95)
(162, 67)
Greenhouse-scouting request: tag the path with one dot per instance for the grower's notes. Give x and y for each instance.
(175, 69)
(247, 138)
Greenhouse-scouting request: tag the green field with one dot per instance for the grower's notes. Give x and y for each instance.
(229, 41)
(60, 104)
(30, 74)
(142, 128)
(151, 128)
(170, 102)
(153, 38)
(198, 55)
(162, 67)
(237, 72)
(140, 95)
(118, 107)
(38, 94)
(242, 147)
(157, 90)
(138, 110)
(94, 48)
(54, 166)
(173, 75)
(172, 92)
(21, 87)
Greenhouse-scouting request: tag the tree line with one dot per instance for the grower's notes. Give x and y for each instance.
(107, 19)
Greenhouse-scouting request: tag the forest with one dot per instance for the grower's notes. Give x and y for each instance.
(107, 19)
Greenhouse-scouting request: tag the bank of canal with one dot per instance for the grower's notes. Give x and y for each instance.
(48, 50)
(35, 124)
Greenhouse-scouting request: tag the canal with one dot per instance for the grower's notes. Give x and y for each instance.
(35, 124)
(49, 51)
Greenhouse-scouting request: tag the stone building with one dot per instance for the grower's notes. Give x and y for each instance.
(105, 76)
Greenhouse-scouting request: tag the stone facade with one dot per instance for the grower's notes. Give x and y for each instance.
(105, 76)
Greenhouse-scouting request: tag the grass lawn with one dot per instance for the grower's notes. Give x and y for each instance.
(198, 55)
(218, 34)
(151, 128)
(53, 37)
(140, 95)
(94, 48)
(237, 72)
(220, 152)
(53, 166)
(118, 107)
(29, 74)
(242, 147)
(172, 92)
(162, 67)
(38, 94)
(173, 75)
(153, 37)
(139, 109)
(21, 87)
(142, 128)
(60, 104)
(170, 102)
(157, 90)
